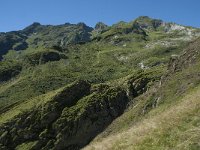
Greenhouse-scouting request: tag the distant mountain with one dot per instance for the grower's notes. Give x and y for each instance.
(44, 35)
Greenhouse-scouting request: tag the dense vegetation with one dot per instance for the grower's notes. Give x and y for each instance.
(62, 85)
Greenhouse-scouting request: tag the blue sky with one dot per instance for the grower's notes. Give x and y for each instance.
(17, 14)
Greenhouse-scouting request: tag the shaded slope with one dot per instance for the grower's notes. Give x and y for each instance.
(12, 40)
(49, 122)
(70, 117)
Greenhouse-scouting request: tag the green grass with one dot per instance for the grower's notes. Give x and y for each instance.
(25, 146)
(96, 62)
(112, 57)
(165, 117)
(21, 107)
(170, 126)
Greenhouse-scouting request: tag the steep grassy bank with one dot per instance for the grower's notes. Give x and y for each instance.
(174, 126)
(166, 116)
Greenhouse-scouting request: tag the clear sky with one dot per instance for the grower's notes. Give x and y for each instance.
(17, 14)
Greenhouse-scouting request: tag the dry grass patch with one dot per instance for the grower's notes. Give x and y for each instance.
(174, 128)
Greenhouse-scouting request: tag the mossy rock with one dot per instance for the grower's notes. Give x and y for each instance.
(43, 57)
(73, 114)
(9, 69)
(36, 123)
(89, 117)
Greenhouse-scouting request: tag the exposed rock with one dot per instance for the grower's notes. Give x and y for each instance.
(148, 23)
(139, 84)
(185, 60)
(33, 28)
(46, 35)
(79, 124)
(176, 27)
(161, 43)
(100, 26)
(142, 66)
(12, 40)
(68, 121)
(34, 124)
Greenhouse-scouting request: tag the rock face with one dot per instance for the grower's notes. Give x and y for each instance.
(46, 35)
(33, 28)
(113, 33)
(148, 23)
(189, 57)
(61, 35)
(100, 26)
(85, 122)
(12, 40)
(69, 120)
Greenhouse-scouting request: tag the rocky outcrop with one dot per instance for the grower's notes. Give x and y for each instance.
(69, 120)
(100, 26)
(81, 123)
(12, 40)
(188, 58)
(46, 35)
(140, 83)
(73, 116)
(33, 28)
(114, 34)
(61, 35)
(43, 57)
(148, 23)
(29, 125)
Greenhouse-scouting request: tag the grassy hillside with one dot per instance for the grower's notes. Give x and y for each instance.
(61, 86)
(128, 48)
(171, 126)
(166, 116)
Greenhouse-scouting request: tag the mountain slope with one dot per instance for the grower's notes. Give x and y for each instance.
(174, 127)
(71, 83)
(115, 52)
(173, 123)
